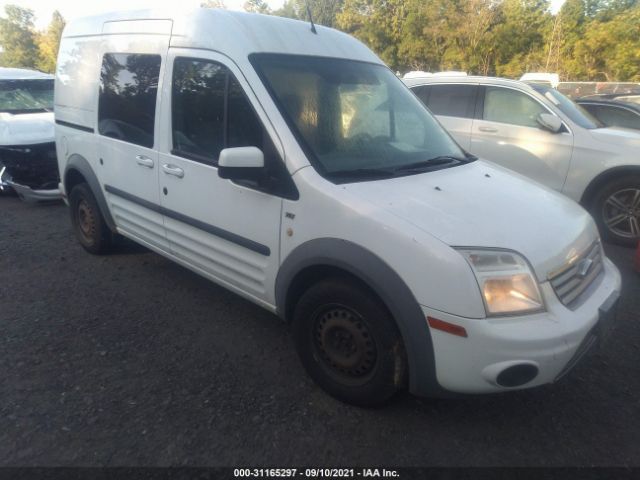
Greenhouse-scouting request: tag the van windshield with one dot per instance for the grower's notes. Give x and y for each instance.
(356, 120)
(26, 96)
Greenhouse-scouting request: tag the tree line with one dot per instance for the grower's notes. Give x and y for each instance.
(597, 40)
(23, 46)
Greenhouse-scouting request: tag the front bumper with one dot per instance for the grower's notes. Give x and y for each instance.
(30, 170)
(29, 194)
(550, 342)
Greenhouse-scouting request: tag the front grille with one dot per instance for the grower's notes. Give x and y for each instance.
(575, 277)
(35, 166)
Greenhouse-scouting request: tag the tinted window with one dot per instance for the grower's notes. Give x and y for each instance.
(244, 127)
(453, 100)
(210, 111)
(127, 104)
(422, 93)
(198, 107)
(614, 116)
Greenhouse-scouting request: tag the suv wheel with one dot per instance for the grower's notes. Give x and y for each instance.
(616, 209)
(348, 342)
(90, 228)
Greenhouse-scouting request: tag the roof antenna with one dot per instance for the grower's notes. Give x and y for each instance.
(313, 27)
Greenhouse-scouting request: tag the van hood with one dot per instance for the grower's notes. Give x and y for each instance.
(26, 128)
(483, 205)
(617, 136)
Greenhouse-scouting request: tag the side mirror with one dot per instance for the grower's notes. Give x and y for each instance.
(549, 122)
(241, 163)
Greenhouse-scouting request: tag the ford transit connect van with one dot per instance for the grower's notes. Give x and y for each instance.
(292, 167)
(538, 132)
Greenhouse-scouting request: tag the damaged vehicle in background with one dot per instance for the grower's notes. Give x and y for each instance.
(28, 162)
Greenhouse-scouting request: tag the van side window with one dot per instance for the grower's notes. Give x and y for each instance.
(244, 127)
(198, 105)
(210, 112)
(506, 105)
(127, 101)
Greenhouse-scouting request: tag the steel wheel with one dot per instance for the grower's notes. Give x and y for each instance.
(621, 213)
(344, 344)
(88, 224)
(86, 221)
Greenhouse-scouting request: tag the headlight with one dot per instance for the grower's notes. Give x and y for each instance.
(506, 282)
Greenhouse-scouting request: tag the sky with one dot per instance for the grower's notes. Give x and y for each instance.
(71, 9)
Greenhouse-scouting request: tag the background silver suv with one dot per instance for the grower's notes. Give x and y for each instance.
(540, 133)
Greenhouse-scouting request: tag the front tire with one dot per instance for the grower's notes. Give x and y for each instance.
(91, 230)
(349, 343)
(616, 209)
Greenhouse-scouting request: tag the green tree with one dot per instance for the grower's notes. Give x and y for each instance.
(257, 6)
(521, 34)
(378, 23)
(609, 50)
(213, 4)
(17, 38)
(324, 12)
(49, 42)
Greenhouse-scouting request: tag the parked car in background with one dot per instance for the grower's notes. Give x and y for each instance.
(618, 97)
(535, 130)
(28, 162)
(290, 165)
(542, 78)
(613, 113)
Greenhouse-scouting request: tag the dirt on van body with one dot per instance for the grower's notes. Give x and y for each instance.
(130, 359)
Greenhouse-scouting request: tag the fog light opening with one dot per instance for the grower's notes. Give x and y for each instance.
(517, 375)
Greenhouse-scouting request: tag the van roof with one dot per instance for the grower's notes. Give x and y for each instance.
(228, 32)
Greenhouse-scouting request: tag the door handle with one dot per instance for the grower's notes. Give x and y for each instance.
(172, 170)
(488, 129)
(144, 161)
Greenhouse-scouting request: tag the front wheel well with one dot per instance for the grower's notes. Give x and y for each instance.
(311, 275)
(601, 180)
(72, 178)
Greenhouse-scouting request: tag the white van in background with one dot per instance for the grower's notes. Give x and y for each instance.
(543, 78)
(292, 167)
(28, 163)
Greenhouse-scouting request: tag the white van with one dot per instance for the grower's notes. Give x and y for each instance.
(294, 168)
(28, 164)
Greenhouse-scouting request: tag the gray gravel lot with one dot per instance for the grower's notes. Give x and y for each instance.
(130, 360)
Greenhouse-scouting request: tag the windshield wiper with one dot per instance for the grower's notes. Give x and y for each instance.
(432, 162)
(363, 173)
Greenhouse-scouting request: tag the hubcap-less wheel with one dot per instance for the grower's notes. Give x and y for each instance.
(621, 213)
(86, 221)
(344, 344)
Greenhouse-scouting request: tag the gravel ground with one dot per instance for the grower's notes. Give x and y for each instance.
(132, 360)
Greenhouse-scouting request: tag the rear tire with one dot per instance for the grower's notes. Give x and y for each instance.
(91, 230)
(349, 343)
(616, 209)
